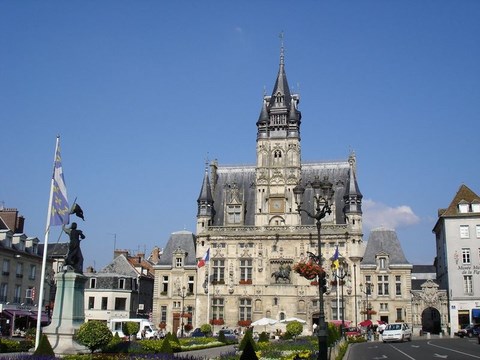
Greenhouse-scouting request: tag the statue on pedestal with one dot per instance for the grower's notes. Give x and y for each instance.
(74, 256)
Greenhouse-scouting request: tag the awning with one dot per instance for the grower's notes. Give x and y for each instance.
(339, 322)
(17, 313)
(22, 313)
(45, 318)
(366, 323)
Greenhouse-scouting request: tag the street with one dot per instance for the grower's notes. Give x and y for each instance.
(456, 349)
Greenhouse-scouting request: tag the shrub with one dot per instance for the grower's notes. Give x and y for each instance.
(130, 328)
(263, 338)
(294, 328)
(206, 329)
(44, 347)
(7, 345)
(333, 334)
(174, 338)
(94, 335)
(248, 337)
(114, 345)
(221, 337)
(166, 348)
(248, 352)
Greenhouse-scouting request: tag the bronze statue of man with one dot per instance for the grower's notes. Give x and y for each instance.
(74, 256)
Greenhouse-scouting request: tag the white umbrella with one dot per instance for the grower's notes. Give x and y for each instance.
(288, 320)
(264, 322)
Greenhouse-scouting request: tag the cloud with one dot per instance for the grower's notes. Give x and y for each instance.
(377, 214)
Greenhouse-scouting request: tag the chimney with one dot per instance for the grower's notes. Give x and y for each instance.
(119, 252)
(155, 255)
(12, 220)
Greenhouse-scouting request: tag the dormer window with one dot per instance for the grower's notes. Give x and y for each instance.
(463, 207)
(234, 214)
(476, 207)
(7, 242)
(382, 263)
(121, 283)
(178, 258)
(178, 262)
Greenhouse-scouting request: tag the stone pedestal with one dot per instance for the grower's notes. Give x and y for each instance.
(68, 313)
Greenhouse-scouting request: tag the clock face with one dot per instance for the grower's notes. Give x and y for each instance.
(277, 205)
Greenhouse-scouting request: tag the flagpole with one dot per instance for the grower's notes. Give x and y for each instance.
(208, 292)
(44, 261)
(338, 294)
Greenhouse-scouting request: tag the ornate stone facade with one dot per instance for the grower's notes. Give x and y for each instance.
(247, 217)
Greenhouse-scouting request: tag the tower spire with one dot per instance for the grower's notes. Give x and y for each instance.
(282, 50)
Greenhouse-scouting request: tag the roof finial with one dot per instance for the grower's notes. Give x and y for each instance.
(282, 49)
(206, 162)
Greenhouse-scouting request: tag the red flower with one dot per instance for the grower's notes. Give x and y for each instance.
(244, 323)
(309, 269)
(217, 322)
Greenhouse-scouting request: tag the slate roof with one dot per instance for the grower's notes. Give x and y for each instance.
(244, 178)
(463, 194)
(55, 250)
(119, 266)
(424, 269)
(183, 240)
(383, 240)
(417, 284)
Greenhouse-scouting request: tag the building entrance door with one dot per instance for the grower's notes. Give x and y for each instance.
(431, 321)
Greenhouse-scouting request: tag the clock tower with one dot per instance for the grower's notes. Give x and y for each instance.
(278, 167)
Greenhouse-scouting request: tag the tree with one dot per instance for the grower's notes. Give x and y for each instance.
(94, 335)
(294, 328)
(130, 328)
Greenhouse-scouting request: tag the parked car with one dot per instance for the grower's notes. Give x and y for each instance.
(469, 331)
(353, 331)
(229, 334)
(197, 333)
(397, 332)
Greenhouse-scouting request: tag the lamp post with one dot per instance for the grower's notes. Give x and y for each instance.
(183, 294)
(323, 192)
(368, 291)
(340, 274)
(355, 291)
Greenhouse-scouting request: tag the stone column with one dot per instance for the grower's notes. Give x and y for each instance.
(68, 313)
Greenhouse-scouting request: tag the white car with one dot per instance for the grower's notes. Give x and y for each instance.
(397, 332)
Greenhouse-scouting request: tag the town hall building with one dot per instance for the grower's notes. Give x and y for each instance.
(248, 221)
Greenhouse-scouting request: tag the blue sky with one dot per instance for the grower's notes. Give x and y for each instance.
(143, 92)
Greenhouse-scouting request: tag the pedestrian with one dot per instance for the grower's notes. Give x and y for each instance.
(369, 333)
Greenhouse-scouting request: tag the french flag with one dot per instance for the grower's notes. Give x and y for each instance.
(205, 258)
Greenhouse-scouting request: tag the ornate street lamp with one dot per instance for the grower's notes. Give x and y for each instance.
(323, 192)
(367, 291)
(183, 294)
(340, 274)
